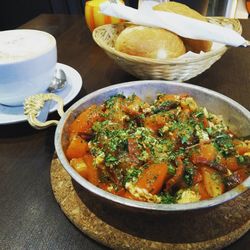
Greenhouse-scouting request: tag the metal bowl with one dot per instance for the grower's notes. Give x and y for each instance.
(236, 116)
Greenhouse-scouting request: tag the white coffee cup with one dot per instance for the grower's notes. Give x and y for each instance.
(27, 64)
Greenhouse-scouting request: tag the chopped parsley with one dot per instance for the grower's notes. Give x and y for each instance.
(111, 160)
(166, 198)
(224, 144)
(189, 175)
(111, 101)
(240, 159)
(171, 169)
(243, 160)
(199, 114)
(132, 175)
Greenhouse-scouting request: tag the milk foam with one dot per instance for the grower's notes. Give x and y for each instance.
(19, 45)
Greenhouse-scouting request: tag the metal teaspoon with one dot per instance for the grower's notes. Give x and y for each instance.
(58, 83)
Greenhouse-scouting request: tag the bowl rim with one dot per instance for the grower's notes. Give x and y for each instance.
(138, 204)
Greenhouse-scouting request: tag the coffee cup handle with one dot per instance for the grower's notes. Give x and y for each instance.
(35, 103)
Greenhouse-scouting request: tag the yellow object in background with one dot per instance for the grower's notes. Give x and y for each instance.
(94, 17)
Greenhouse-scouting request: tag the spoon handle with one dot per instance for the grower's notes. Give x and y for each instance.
(43, 115)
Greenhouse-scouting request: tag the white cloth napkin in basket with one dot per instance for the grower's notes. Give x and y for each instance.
(181, 25)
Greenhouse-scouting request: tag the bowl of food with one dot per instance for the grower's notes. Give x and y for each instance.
(156, 145)
(154, 53)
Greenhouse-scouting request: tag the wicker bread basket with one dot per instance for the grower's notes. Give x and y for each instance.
(177, 69)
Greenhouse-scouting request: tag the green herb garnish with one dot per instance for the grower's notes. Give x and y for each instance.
(188, 175)
(166, 198)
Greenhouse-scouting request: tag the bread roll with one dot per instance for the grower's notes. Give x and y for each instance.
(149, 42)
(191, 44)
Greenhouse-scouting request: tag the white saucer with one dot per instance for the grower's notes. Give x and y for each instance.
(9, 115)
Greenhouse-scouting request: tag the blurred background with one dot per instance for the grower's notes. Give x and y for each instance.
(13, 13)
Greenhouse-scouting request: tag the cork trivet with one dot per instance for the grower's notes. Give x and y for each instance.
(231, 221)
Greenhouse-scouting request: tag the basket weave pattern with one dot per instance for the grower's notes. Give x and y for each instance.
(178, 69)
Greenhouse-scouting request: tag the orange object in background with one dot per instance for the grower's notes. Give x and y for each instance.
(248, 6)
(94, 17)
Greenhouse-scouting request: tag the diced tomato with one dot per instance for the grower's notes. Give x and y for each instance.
(153, 178)
(84, 122)
(155, 122)
(167, 97)
(205, 154)
(120, 192)
(93, 175)
(231, 163)
(205, 122)
(77, 148)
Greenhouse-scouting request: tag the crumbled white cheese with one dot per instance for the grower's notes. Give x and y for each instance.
(142, 193)
(190, 102)
(187, 196)
(99, 159)
(203, 135)
(147, 110)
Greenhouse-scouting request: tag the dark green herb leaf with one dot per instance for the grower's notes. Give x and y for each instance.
(199, 114)
(171, 169)
(184, 139)
(240, 159)
(131, 175)
(188, 175)
(209, 130)
(111, 160)
(244, 160)
(166, 198)
(110, 102)
(224, 144)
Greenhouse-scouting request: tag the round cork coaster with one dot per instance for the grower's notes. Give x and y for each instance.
(213, 229)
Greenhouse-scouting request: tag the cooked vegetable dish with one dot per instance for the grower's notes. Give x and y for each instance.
(169, 151)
